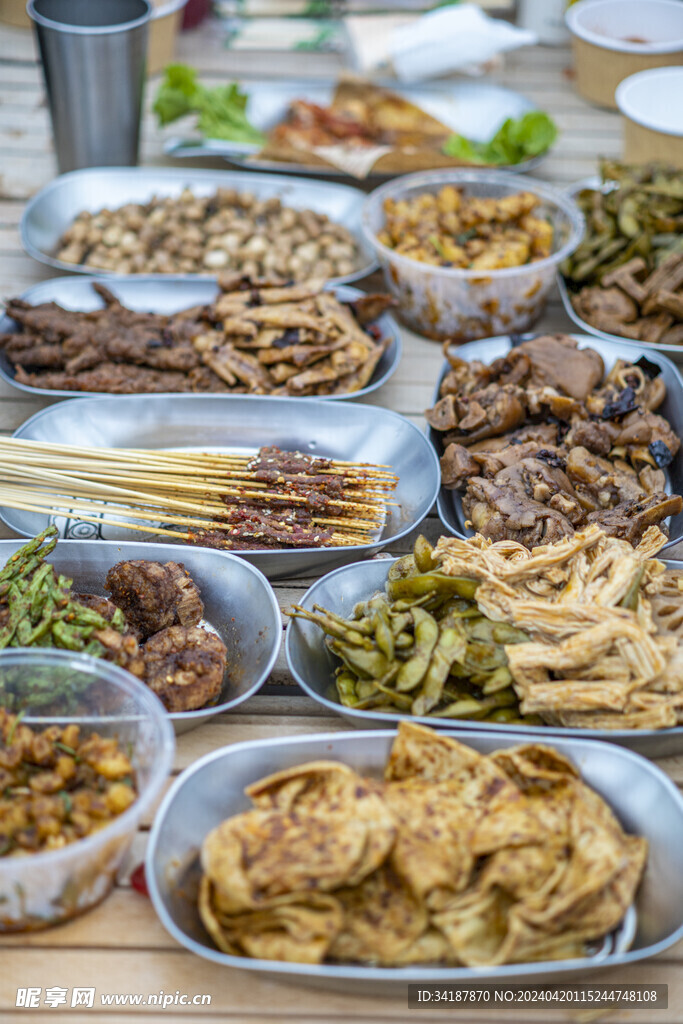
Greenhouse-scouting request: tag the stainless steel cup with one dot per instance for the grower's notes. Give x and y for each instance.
(93, 54)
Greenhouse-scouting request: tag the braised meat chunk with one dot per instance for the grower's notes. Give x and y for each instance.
(153, 596)
(541, 442)
(184, 666)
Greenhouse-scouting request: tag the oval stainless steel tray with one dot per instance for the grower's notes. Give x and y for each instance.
(475, 109)
(239, 605)
(313, 665)
(212, 789)
(169, 293)
(674, 352)
(338, 430)
(51, 211)
(448, 503)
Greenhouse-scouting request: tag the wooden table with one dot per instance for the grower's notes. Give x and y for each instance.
(121, 947)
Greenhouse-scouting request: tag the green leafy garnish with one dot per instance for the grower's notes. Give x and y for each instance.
(517, 139)
(65, 748)
(438, 246)
(13, 727)
(221, 111)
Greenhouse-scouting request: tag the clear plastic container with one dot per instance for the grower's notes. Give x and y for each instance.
(463, 305)
(41, 889)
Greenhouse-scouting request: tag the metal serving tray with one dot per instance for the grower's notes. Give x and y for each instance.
(168, 293)
(474, 109)
(52, 210)
(212, 790)
(313, 665)
(674, 352)
(239, 605)
(448, 503)
(339, 430)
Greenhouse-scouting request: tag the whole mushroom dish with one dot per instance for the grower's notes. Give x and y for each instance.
(191, 234)
(542, 443)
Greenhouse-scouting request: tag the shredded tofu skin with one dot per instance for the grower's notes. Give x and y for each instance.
(605, 621)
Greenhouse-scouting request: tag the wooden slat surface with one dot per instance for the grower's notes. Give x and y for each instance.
(121, 946)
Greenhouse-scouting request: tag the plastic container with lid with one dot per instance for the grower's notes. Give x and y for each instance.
(461, 304)
(49, 887)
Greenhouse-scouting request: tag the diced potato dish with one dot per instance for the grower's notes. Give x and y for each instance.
(450, 229)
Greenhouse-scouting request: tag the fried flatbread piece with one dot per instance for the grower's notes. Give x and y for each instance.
(298, 928)
(383, 920)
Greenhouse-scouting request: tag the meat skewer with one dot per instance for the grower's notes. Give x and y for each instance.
(294, 504)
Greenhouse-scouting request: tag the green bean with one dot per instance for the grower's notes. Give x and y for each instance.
(368, 664)
(423, 553)
(361, 624)
(365, 688)
(399, 621)
(505, 715)
(384, 636)
(414, 669)
(467, 707)
(346, 687)
(449, 647)
(401, 700)
(403, 568)
(472, 708)
(332, 626)
(68, 637)
(438, 582)
(499, 679)
(17, 561)
(403, 641)
(401, 606)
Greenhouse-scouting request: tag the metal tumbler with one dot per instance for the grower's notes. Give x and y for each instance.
(93, 54)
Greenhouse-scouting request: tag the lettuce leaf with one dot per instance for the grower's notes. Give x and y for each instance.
(221, 111)
(516, 140)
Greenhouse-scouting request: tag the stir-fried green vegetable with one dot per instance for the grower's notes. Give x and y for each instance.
(640, 213)
(423, 647)
(40, 610)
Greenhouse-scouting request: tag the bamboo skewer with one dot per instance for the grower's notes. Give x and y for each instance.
(191, 458)
(340, 540)
(147, 497)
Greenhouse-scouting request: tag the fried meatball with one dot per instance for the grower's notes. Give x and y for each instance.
(153, 596)
(184, 666)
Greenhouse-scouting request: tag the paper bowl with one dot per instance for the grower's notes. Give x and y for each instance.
(653, 118)
(613, 39)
